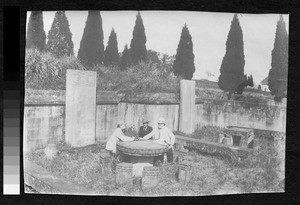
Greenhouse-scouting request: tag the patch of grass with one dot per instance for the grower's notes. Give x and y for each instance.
(259, 171)
(207, 133)
(211, 175)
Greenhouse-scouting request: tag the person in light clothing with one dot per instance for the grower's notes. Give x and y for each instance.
(118, 135)
(164, 136)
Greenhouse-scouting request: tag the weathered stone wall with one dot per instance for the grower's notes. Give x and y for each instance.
(44, 114)
(226, 112)
(42, 124)
(133, 114)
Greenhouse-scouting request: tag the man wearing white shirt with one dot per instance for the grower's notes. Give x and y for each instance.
(118, 135)
(164, 136)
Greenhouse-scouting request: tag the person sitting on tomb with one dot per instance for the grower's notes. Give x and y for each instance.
(164, 136)
(118, 135)
(145, 129)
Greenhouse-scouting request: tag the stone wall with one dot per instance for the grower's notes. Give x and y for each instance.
(44, 114)
(227, 112)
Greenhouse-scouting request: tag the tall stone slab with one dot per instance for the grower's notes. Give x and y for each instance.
(80, 107)
(187, 106)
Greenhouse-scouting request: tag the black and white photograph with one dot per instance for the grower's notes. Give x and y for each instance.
(155, 103)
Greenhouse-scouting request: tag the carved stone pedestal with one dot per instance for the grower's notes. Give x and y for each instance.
(150, 177)
(124, 174)
(104, 163)
(184, 172)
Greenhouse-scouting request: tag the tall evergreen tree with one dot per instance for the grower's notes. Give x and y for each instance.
(232, 67)
(36, 36)
(125, 59)
(184, 60)
(277, 80)
(60, 37)
(138, 48)
(91, 51)
(111, 54)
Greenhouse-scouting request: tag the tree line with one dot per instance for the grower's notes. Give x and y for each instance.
(92, 51)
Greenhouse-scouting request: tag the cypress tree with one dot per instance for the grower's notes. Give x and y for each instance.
(232, 67)
(277, 80)
(111, 54)
(36, 36)
(59, 36)
(91, 51)
(125, 59)
(184, 60)
(138, 48)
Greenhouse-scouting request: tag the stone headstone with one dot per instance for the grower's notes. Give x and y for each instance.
(150, 177)
(187, 106)
(80, 107)
(124, 174)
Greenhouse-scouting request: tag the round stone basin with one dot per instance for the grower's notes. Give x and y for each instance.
(141, 153)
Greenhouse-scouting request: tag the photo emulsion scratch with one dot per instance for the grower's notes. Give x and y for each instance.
(155, 103)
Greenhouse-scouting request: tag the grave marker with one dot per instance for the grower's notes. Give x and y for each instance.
(80, 107)
(187, 106)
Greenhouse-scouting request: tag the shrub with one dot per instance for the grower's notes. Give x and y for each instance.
(46, 72)
(144, 77)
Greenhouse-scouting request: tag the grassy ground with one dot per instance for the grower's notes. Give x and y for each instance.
(260, 172)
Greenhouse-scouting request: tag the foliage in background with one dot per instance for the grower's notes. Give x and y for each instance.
(46, 72)
(152, 57)
(277, 79)
(184, 60)
(111, 54)
(125, 59)
(144, 77)
(91, 51)
(60, 37)
(232, 67)
(138, 48)
(36, 36)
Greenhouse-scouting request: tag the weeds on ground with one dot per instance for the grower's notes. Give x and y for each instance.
(207, 132)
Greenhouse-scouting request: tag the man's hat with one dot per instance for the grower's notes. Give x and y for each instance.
(161, 120)
(145, 120)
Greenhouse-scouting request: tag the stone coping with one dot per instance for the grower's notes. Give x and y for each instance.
(212, 147)
(46, 183)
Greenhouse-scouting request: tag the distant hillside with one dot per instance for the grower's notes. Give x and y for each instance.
(207, 84)
(204, 83)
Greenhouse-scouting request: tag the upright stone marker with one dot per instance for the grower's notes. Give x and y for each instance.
(80, 107)
(187, 106)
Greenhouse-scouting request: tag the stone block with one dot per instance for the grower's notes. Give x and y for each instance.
(150, 177)
(227, 140)
(80, 107)
(241, 136)
(184, 172)
(187, 106)
(124, 174)
(105, 163)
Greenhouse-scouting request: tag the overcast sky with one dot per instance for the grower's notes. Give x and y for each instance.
(209, 32)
